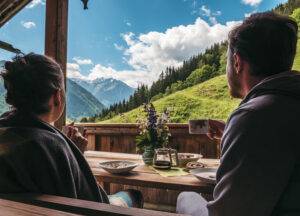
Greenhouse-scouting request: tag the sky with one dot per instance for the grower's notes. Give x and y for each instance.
(132, 40)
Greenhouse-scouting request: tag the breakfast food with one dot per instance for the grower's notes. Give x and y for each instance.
(117, 165)
(194, 165)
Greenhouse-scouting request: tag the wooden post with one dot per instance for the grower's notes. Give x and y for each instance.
(56, 37)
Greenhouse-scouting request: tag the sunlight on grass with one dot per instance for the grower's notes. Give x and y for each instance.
(206, 100)
(297, 58)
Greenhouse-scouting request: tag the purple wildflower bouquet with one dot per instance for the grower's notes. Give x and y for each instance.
(154, 132)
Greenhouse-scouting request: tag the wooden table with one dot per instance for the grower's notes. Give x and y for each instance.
(143, 176)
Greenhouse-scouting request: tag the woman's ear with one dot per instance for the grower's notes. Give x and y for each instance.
(57, 98)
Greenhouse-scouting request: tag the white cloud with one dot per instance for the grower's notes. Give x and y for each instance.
(28, 24)
(118, 47)
(35, 3)
(206, 11)
(149, 54)
(128, 38)
(128, 23)
(155, 50)
(73, 71)
(130, 77)
(252, 2)
(211, 15)
(82, 61)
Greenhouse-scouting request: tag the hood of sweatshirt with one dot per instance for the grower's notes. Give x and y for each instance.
(286, 84)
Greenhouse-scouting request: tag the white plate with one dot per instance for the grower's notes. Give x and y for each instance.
(126, 167)
(205, 174)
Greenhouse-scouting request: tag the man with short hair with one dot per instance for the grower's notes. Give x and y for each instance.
(259, 174)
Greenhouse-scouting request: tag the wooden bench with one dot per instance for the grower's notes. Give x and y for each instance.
(32, 204)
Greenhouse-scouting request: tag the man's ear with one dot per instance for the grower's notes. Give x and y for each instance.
(237, 63)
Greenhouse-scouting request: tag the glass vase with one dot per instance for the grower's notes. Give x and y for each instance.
(148, 155)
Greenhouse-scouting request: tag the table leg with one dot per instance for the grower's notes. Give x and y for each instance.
(106, 186)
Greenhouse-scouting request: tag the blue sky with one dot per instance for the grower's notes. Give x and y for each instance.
(132, 40)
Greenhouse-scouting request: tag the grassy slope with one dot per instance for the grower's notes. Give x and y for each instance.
(297, 58)
(206, 100)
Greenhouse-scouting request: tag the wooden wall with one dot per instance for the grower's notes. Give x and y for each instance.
(121, 138)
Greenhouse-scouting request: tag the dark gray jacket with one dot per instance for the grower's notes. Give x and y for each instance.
(37, 158)
(259, 173)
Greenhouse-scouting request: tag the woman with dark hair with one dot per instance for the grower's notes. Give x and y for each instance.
(35, 157)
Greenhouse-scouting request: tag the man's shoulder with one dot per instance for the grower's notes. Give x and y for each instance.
(268, 106)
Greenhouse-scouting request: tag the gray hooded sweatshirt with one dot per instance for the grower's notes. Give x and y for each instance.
(259, 173)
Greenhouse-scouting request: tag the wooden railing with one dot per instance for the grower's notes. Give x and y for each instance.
(121, 138)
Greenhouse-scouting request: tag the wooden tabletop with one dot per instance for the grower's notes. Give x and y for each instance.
(144, 176)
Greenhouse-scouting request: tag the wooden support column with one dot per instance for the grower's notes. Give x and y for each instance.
(56, 37)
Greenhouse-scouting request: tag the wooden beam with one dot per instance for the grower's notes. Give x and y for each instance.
(56, 38)
(9, 8)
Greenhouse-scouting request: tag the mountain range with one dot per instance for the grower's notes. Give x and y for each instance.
(85, 98)
(107, 91)
(80, 102)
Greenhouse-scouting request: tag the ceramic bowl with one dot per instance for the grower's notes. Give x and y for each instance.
(184, 158)
(117, 167)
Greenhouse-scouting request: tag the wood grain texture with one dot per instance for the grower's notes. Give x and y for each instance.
(56, 38)
(9, 8)
(12, 208)
(121, 138)
(46, 203)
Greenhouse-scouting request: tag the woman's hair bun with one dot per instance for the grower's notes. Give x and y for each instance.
(30, 81)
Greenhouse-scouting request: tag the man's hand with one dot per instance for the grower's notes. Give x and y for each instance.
(78, 138)
(215, 129)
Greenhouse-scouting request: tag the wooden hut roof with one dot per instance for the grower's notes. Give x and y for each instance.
(8, 8)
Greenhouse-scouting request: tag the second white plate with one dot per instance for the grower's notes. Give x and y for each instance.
(205, 174)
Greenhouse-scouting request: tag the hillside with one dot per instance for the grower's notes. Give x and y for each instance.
(297, 58)
(206, 100)
(80, 102)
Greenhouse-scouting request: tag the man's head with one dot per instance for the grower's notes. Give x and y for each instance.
(35, 84)
(263, 45)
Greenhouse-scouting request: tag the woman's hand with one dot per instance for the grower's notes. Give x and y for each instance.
(78, 138)
(215, 129)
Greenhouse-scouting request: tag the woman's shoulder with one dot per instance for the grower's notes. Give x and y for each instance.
(31, 138)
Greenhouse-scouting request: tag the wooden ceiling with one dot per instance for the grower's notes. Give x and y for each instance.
(8, 8)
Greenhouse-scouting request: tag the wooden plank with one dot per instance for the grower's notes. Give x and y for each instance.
(82, 207)
(91, 142)
(56, 37)
(12, 208)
